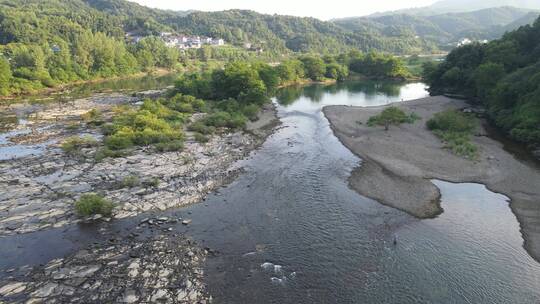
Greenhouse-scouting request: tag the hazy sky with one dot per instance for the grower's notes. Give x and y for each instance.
(313, 8)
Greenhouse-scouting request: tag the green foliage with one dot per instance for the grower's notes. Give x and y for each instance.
(222, 119)
(201, 138)
(90, 204)
(153, 124)
(376, 65)
(152, 182)
(93, 117)
(5, 76)
(455, 128)
(452, 121)
(130, 181)
(74, 145)
(201, 128)
(391, 116)
(314, 67)
(170, 146)
(503, 75)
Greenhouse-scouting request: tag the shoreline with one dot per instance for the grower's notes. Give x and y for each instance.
(66, 86)
(398, 166)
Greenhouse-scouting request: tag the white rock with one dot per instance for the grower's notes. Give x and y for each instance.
(12, 289)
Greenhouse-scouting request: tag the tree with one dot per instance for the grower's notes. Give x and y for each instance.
(314, 66)
(391, 116)
(486, 77)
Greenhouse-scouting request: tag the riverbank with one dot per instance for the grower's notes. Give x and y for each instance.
(397, 165)
(59, 89)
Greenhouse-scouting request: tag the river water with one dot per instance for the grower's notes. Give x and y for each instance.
(290, 230)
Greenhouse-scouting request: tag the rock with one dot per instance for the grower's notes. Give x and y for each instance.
(86, 271)
(12, 289)
(159, 295)
(186, 222)
(130, 296)
(181, 295)
(45, 291)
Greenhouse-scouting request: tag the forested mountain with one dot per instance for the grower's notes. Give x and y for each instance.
(447, 28)
(460, 6)
(503, 75)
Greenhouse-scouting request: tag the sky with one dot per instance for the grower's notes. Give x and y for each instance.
(306, 8)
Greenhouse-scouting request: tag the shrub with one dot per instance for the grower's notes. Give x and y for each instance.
(119, 141)
(251, 112)
(171, 146)
(93, 117)
(454, 129)
(153, 182)
(74, 144)
(200, 127)
(391, 116)
(451, 121)
(90, 204)
(103, 153)
(130, 181)
(201, 138)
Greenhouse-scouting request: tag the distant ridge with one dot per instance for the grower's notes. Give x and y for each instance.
(461, 6)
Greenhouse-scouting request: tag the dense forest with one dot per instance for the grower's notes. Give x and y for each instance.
(48, 43)
(503, 75)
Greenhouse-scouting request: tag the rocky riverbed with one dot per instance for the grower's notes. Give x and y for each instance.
(39, 184)
(161, 269)
(38, 191)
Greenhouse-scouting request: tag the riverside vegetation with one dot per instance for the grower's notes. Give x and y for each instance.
(503, 76)
(54, 43)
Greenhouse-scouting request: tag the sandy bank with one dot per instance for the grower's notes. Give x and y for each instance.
(398, 165)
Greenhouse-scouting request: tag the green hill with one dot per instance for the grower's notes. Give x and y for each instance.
(445, 29)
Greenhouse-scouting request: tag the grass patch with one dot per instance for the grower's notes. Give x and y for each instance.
(91, 204)
(455, 128)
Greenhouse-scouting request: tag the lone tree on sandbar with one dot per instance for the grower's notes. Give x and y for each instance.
(391, 116)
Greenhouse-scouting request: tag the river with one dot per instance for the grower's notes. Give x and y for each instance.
(290, 230)
(293, 208)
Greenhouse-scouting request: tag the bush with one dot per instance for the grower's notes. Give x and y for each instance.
(119, 141)
(201, 138)
(93, 117)
(130, 181)
(451, 121)
(152, 183)
(251, 112)
(172, 146)
(391, 116)
(454, 129)
(200, 127)
(103, 153)
(90, 204)
(73, 145)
